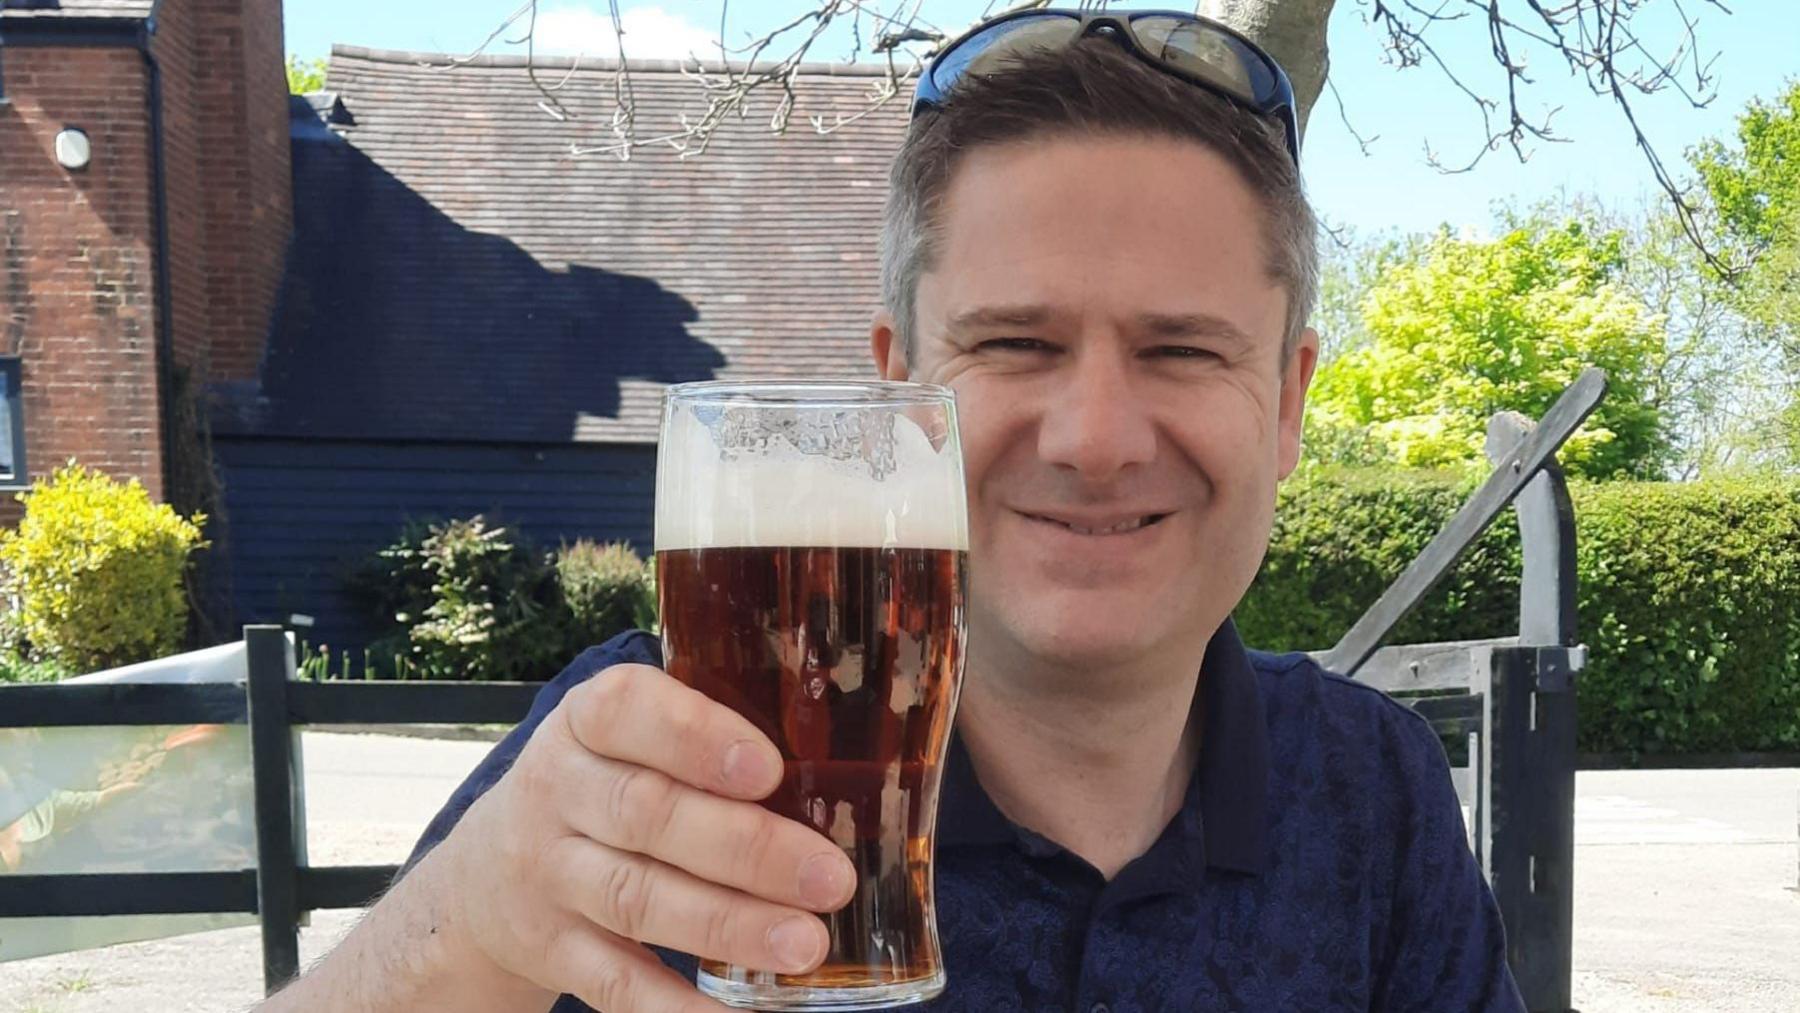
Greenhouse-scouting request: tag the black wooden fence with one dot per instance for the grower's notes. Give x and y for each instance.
(278, 889)
(1512, 700)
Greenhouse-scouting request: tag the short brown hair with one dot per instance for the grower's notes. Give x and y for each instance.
(1091, 87)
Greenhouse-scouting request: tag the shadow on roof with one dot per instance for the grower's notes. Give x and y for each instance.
(396, 322)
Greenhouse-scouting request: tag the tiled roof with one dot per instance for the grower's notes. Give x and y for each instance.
(76, 8)
(458, 274)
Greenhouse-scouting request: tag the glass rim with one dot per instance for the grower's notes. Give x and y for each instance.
(809, 393)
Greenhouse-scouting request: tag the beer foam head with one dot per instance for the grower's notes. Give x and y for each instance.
(724, 481)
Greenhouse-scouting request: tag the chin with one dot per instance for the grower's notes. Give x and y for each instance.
(1083, 639)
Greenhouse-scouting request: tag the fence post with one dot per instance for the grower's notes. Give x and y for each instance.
(1531, 728)
(271, 758)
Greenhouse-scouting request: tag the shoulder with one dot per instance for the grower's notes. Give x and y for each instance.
(1321, 720)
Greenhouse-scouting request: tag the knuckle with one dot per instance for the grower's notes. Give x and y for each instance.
(688, 717)
(641, 805)
(625, 895)
(757, 841)
(613, 985)
(720, 932)
(601, 699)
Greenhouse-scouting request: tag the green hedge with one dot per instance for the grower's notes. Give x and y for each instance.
(1689, 596)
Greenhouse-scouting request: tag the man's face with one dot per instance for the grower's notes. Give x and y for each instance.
(1102, 309)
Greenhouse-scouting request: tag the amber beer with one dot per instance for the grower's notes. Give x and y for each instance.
(846, 658)
(810, 556)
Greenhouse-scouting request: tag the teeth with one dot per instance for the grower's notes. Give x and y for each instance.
(1119, 528)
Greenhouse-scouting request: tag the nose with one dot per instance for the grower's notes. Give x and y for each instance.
(1096, 425)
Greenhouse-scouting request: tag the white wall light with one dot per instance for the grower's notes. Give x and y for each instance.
(73, 152)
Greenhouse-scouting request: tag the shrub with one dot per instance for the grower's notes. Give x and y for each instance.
(607, 589)
(96, 571)
(481, 615)
(469, 600)
(15, 667)
(1685, 595)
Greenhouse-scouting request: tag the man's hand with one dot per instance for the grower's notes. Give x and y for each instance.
(629, 818)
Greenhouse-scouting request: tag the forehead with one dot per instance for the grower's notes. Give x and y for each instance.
(1122, 223)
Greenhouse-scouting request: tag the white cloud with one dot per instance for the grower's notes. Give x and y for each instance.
(650, 33)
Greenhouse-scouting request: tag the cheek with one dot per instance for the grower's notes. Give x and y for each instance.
(992, 425)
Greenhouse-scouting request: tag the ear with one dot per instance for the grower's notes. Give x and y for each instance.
(887, 349)
(1296, 377)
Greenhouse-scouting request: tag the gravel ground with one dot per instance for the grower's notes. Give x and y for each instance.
(1685, 890)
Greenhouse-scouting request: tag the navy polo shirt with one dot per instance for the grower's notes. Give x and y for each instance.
(1318, 862)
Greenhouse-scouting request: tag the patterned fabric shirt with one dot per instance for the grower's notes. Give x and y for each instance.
(1318, 862)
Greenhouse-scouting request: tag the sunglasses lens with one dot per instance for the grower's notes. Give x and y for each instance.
(1206, 53)
(991, 50)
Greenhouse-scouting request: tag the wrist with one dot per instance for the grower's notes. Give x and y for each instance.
(413, 951)
(451, 969)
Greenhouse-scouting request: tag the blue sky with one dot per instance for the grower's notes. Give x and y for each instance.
(1391, 188)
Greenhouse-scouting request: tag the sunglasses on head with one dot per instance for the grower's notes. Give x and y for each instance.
(1186, 46)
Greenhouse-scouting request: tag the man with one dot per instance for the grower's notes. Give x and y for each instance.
(1097, 237)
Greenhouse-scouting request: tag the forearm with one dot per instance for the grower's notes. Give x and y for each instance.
(407, 954)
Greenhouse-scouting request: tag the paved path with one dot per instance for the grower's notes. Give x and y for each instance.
(1684, 890)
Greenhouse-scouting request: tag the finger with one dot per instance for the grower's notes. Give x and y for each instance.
(641, 715)
(615, 975)
(726, 841)
(643, 899)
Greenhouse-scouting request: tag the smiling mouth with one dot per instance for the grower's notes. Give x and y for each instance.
(1122, 528)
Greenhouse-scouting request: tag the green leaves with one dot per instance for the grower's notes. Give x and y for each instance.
(1464, 328)
(469, 600)
(1686, 595)
(305, 76)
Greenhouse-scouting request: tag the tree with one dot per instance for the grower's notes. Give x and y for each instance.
(1466, 328)
(1754, 186)
(1605, 42)
(304, 76)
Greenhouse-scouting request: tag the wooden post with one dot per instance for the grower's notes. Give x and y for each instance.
(271, 756)
(1530, 858)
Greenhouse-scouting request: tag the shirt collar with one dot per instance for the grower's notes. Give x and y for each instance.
(1227, 796)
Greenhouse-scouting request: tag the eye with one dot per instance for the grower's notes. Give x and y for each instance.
(1028, 345)
(1180, 352)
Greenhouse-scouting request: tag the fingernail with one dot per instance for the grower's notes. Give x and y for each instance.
(822, 881)
(744, 766)
(795, 944)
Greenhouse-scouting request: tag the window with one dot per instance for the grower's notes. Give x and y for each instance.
(12, 425)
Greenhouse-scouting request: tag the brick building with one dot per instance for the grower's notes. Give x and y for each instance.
(404, 298)
(145, 214)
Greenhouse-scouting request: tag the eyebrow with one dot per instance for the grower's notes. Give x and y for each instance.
(1157, 325)
(1000, 316)
(1192, 325)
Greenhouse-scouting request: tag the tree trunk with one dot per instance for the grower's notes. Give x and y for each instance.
(1293, 31)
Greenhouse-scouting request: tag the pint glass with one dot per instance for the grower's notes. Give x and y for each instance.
(810, 550)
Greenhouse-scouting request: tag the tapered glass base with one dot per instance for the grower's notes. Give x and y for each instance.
(771, 996)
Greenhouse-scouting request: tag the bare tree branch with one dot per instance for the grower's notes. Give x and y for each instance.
(1344, 115)
(1596, 39)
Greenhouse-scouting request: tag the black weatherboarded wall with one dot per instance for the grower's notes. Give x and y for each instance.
(304, 513)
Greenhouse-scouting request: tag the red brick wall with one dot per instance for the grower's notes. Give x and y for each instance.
(77, 291)
(241, 108)
(173, 46)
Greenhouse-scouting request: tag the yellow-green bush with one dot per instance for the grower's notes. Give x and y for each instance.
(95, 570)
